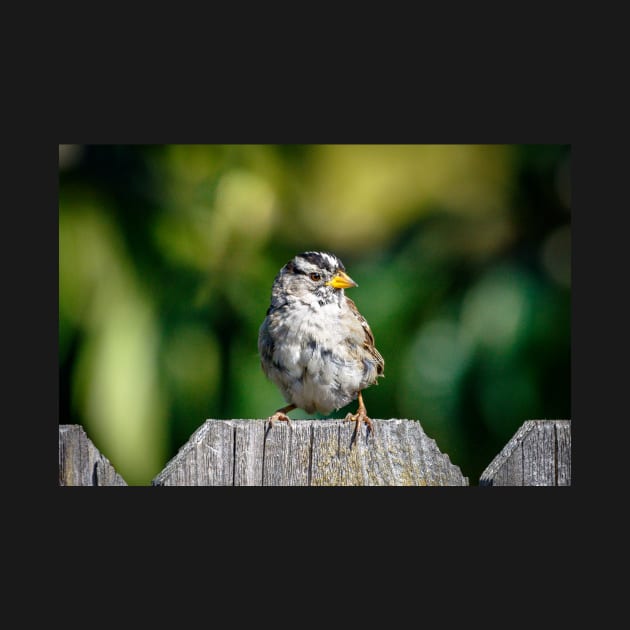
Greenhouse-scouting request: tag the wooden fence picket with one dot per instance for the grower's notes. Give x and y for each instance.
(539, 454)
(80, 462)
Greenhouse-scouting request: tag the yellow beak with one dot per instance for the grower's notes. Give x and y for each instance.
(342, 280)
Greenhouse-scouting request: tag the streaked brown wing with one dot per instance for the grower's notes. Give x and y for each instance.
(369, 337)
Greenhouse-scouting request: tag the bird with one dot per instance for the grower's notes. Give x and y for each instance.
(314, 344)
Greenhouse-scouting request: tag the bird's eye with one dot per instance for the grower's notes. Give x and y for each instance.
(315, 277)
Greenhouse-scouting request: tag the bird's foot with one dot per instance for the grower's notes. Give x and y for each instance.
(359, 417)
(281, 416)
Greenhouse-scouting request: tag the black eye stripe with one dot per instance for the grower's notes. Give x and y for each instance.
(291, 267)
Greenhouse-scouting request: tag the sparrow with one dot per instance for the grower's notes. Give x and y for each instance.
(314, 344)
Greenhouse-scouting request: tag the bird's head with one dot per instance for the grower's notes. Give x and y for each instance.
(313, 278)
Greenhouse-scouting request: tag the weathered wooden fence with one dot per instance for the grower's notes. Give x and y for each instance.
(321, 453)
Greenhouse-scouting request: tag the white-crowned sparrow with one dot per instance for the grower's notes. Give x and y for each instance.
(314, 344)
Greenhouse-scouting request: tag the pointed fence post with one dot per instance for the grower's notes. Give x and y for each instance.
(80, 462)
(310, 453)
(539, 454)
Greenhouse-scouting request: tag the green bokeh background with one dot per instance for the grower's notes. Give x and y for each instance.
(167, 253)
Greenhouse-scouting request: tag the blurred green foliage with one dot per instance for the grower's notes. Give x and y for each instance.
(167, 254)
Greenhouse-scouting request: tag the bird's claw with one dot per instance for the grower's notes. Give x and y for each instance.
(359, 417)
(281, 417)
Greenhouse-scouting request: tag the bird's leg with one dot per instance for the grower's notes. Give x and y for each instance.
(358, 417)
(281, 415)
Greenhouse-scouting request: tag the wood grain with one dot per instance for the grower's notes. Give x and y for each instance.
(539, 454)
(310, 453)
(320, 453)
(80, 462)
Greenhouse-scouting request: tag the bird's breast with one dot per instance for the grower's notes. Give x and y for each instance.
(317, 361)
